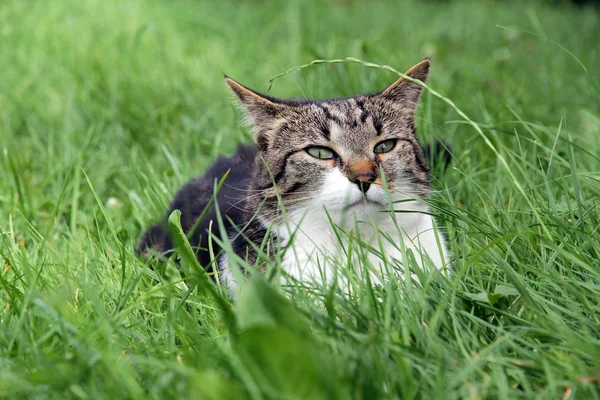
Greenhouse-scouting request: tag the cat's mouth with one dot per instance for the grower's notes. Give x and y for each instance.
(363, 202)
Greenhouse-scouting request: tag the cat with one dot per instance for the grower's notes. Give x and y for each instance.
(337, 166)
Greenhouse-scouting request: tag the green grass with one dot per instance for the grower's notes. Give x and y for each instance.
(107, 107)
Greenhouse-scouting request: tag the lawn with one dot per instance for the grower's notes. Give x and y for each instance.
(107, 107)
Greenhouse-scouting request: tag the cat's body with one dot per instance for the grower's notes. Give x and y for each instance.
(343, 161)
(192, 199)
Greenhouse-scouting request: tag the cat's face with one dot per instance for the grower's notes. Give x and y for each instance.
(338, 154)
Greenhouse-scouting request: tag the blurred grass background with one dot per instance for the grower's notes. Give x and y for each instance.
(107, 107)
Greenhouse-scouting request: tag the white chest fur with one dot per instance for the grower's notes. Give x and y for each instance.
(317, 249)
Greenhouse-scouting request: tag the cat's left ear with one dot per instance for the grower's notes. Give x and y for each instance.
(263, 110)
(405, 92)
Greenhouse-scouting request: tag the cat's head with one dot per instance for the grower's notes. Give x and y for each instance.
(337, 153)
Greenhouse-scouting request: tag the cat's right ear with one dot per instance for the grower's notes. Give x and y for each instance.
(262, 110)
(406, 92)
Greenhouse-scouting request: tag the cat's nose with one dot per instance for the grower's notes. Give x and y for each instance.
(363, 181)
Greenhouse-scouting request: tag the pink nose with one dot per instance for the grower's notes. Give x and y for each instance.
(363, 181)
(369, 177)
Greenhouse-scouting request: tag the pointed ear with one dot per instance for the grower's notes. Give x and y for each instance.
(262, 110)
(406, 92)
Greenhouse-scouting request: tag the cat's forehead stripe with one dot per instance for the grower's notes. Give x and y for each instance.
(322, 121)
(329, 114)
(346, 113)
(360, 104)
(377, 124)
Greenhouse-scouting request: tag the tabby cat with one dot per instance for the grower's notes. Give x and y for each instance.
(321, 173)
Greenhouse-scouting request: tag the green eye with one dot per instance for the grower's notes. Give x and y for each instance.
(322, 153)
(385, 146)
